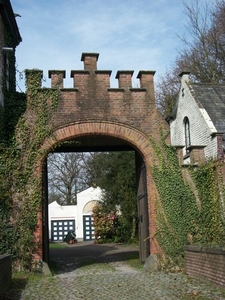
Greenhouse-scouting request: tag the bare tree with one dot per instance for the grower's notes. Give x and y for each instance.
(67, 175)
(203, 54)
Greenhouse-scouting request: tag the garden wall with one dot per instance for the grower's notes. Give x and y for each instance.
(206, 263)
(5, 272)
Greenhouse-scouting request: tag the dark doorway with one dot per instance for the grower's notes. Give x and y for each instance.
(142, 201)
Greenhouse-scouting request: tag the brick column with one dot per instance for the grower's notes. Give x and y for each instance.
(147, 82)
(90, 61)
(56, 78)
(124, 78)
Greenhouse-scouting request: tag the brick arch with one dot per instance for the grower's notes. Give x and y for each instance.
(132, 136)
(93, 108)
(139, 141)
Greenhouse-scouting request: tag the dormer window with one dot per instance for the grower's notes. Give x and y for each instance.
(187, 135)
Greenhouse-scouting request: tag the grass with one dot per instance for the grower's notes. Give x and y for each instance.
(133, 260)
(90, 263)
(53, 266)
(57, 245)
(21, 279)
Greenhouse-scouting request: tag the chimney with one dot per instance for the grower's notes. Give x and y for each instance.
(184, 76)
(90, 61)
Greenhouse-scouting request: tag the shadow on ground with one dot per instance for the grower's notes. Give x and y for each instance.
(15, 290)
(73, 257)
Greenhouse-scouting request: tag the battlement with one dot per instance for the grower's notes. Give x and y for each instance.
(91, 73)
(92, 98)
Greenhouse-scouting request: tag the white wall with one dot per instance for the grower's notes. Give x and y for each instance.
(85, 202)
(58, 212)
(88, 196)
(201, 127)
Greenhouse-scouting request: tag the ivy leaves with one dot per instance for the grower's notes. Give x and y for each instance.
(188, 209)
(18, 172)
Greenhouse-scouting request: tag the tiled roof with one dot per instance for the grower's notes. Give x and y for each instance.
(211, 97)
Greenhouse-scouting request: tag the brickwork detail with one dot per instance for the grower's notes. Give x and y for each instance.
(92, 108)
(206, 263)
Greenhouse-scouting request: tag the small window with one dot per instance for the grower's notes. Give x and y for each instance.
(187, 135)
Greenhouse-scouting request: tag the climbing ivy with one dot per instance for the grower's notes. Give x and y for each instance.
(211, 215)
(181, 219)
(188, 208)
(21, 192)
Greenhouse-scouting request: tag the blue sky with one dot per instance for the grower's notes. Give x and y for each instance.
(127, 34)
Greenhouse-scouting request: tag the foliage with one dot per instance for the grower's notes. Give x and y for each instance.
(21, 192)
(105, 223)
(211, 218)
(6, 236)
(14, 107)
(175, 202)
(10, 112)
(203, 54)
(114, 172)
(180, 221)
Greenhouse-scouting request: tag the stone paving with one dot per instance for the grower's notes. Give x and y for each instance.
(107, 276)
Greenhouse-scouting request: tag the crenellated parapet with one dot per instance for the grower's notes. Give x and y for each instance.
(91, 96)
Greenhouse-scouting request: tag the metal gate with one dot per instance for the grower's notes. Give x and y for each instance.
(142, 199)
(60, 228)
(89, 231)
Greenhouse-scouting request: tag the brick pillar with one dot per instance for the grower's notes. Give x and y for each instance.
(33, 82)
(147, 82)
(125, 79)
(220, 146)
(90, 61)
(33, 78)
(197, 154)
(56, 78)
(38, 237)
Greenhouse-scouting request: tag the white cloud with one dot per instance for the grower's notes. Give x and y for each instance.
(128, 34)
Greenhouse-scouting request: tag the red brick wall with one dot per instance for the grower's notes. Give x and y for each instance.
(220, 147)
(206, 263)
(91, 107)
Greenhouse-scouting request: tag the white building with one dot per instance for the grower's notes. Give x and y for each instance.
(77, 218)
(197, 123)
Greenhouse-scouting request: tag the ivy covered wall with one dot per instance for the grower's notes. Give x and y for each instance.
(190, 204)
(20, 183)
(189, 207)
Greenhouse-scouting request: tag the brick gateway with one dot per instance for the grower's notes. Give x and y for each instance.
(94, 116)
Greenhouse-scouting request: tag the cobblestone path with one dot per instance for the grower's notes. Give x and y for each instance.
(107, 276)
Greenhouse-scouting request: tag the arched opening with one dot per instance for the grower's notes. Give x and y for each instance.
(88, 229)
(187, 135)
(108, 137)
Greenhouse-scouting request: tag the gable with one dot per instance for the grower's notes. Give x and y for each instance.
(203, 106)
